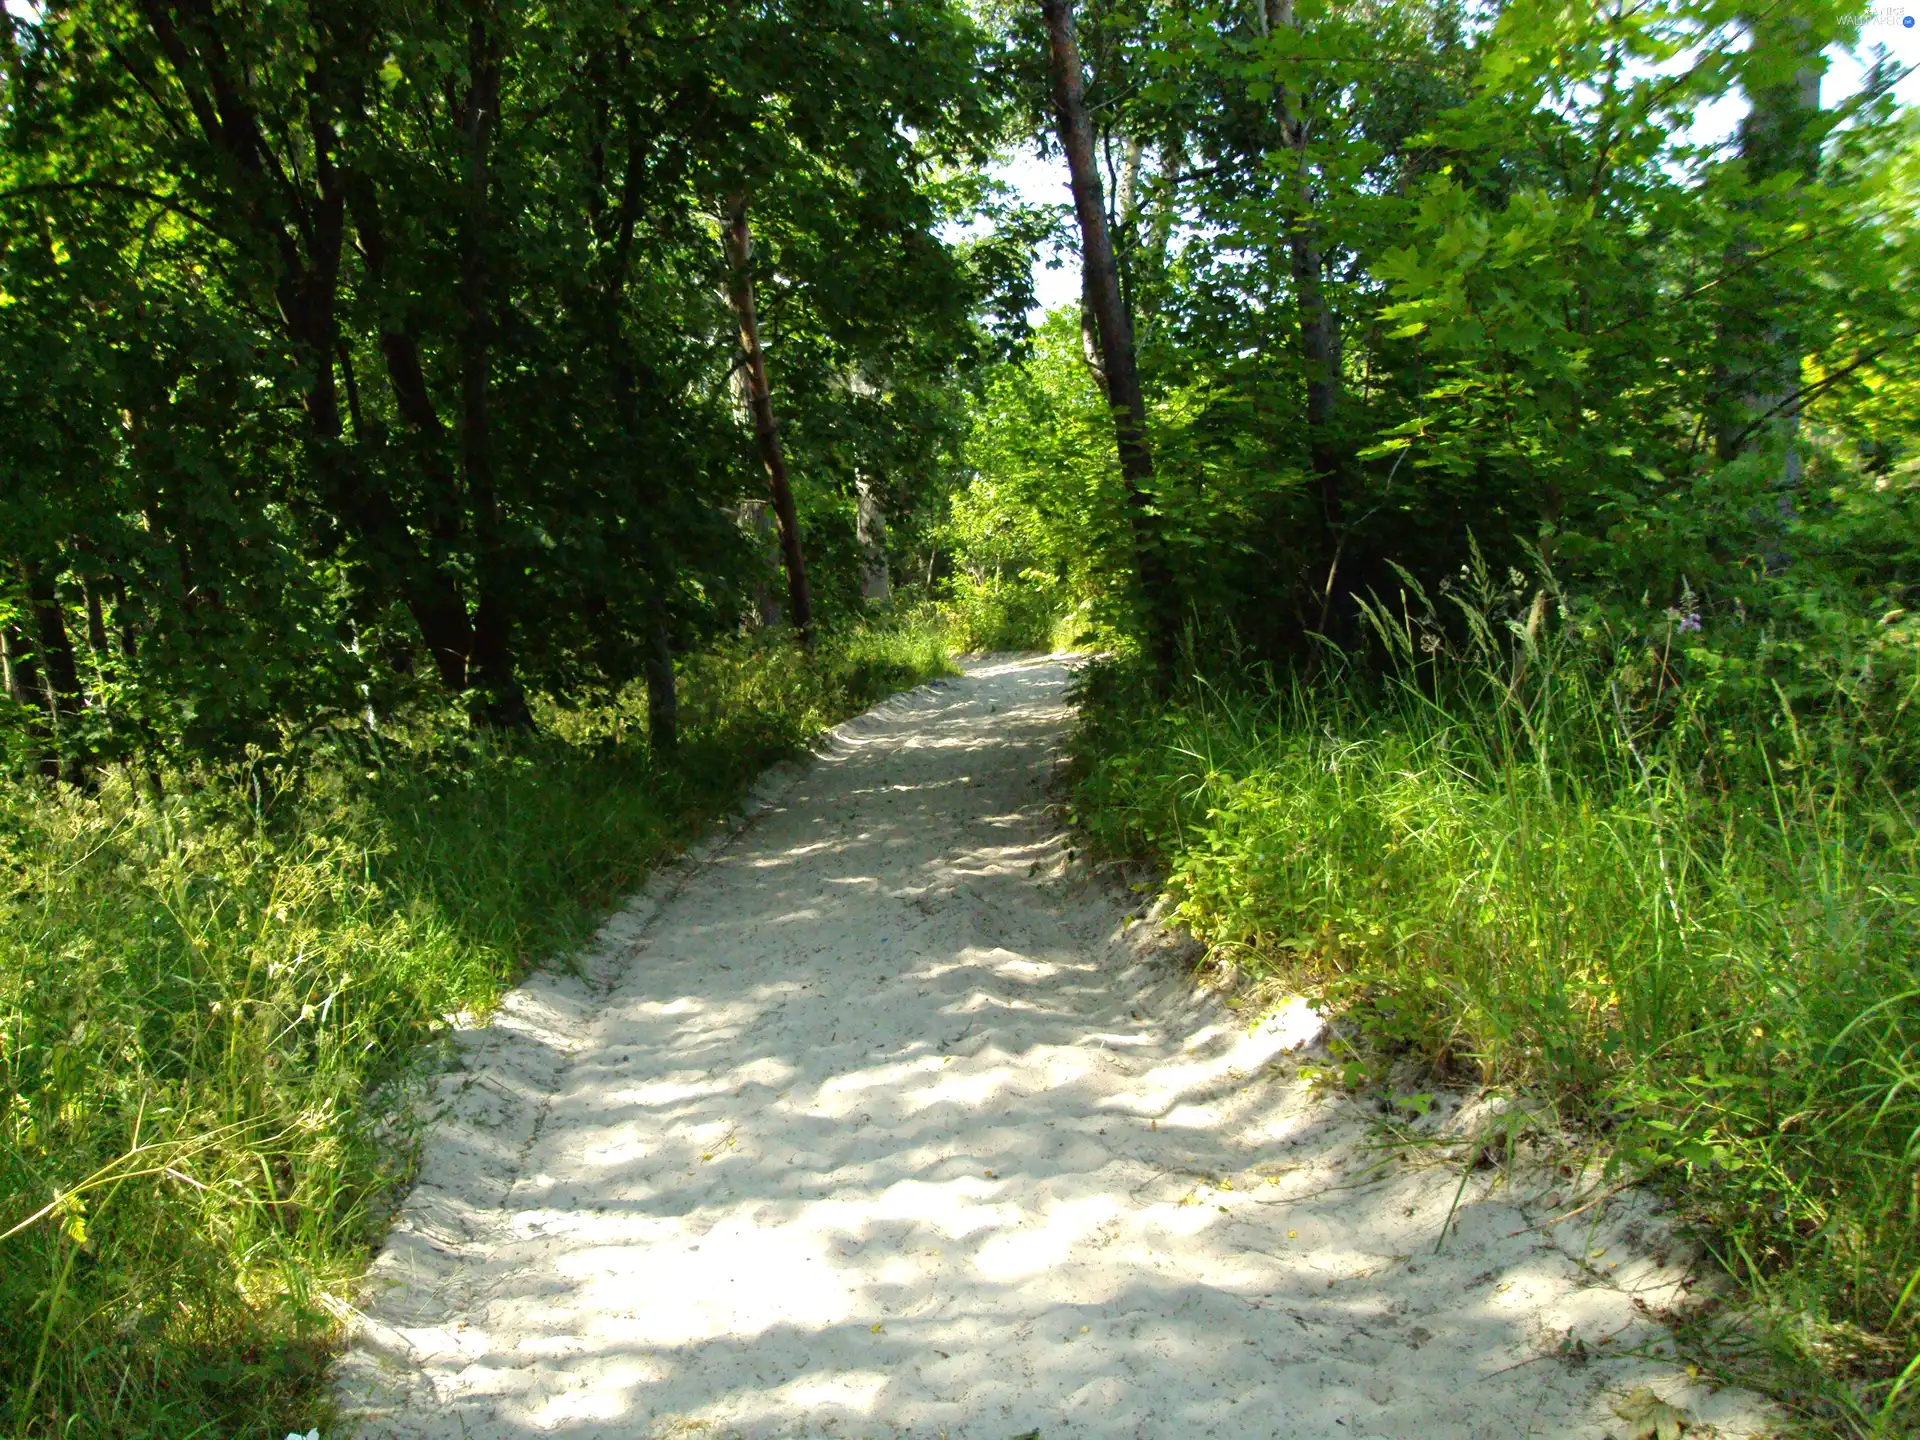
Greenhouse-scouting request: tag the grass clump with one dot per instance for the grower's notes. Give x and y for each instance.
(199, 992)
(1550, 855)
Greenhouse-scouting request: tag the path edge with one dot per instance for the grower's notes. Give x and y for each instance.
(470, 1111)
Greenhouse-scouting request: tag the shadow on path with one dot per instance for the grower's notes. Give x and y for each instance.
(879, 1131)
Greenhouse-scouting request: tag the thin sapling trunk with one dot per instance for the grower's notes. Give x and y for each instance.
(766, 430)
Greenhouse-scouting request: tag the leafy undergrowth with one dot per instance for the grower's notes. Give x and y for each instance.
(1699, 938)
(198, 992)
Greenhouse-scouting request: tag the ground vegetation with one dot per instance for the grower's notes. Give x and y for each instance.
(1530, 399)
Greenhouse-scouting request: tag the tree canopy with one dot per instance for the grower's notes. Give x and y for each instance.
(359, 346)
(1409, 278)
(367, 352)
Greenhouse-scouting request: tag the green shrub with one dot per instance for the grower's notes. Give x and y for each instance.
(991, 614)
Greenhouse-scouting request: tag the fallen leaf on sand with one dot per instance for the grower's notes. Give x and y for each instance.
(1649, 1417)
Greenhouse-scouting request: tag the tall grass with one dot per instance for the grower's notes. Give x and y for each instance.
(1691, 919)
(199, 993)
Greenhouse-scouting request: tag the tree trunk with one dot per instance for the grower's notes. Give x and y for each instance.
(663, 704)
(96, 623)
(1126, 194)
(663, 700)
(1328, 455)
(123, 623)
(870, 531)
(503, 703)
(757, 523)
(59, 670)
(766, 431)
(448, 631)
(1758, 368)
(1102, 292)
(1124, 224)
(1149, 286)
(1090, 338)
(1330, 458)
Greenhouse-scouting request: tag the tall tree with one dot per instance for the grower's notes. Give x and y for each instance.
(1115, 325)
(504, 702)
(1329, 452)
(298, 220)
(1758, 369)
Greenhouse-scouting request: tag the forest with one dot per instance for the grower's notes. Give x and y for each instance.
(449, 448)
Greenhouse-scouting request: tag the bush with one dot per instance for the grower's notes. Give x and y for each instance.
(989, 614)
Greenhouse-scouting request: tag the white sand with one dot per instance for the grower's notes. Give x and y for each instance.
(863, 1124)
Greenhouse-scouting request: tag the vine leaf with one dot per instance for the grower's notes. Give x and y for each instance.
(1649, 1417)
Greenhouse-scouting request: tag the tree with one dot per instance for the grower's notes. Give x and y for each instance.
(394, 347)
(766, 429)
(1118, 370)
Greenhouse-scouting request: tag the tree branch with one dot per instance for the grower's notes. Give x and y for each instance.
(114, 187)
(1864, 358)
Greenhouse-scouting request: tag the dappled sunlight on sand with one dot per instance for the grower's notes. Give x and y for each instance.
(879, 1131)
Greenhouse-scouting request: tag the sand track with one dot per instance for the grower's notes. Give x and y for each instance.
(864, 1123)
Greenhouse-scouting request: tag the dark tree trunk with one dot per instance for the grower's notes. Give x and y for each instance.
(766, 432)
(663, 701)
(123, 623)
(355, 416)
(1329, 455)
(1102, 292)
(60, 666)
(431, 596)
(302, 230)
(450, 638)
(503, 703)
(59, 670)
(97, 624)
(663, 705)
(1090, 338)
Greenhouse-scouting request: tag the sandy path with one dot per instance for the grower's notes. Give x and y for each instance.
(863, 1125)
